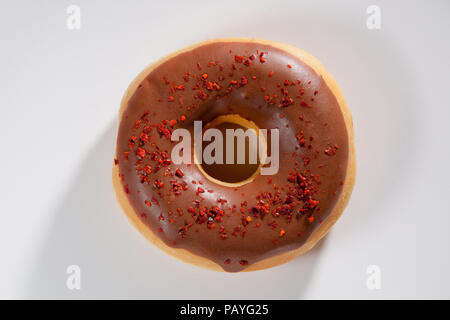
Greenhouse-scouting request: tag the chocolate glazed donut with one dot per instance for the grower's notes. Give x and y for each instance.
(268, 219)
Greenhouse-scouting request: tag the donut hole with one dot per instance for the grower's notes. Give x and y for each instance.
(244, 163)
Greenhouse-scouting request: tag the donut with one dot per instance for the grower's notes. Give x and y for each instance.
(229, 216)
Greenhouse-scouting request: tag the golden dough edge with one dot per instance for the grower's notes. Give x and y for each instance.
(318, 234)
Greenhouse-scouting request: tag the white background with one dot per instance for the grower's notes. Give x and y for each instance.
(60, 93)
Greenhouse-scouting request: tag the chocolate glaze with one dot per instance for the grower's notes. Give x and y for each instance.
(313, 144)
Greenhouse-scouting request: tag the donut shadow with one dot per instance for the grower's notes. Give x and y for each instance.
(91, 231)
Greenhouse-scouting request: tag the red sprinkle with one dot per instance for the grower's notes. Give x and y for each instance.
(141, 152)
(243, 262)
(179, 173)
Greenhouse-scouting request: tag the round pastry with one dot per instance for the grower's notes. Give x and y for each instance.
(234, 216)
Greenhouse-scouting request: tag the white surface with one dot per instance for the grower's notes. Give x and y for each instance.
(60, 92)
